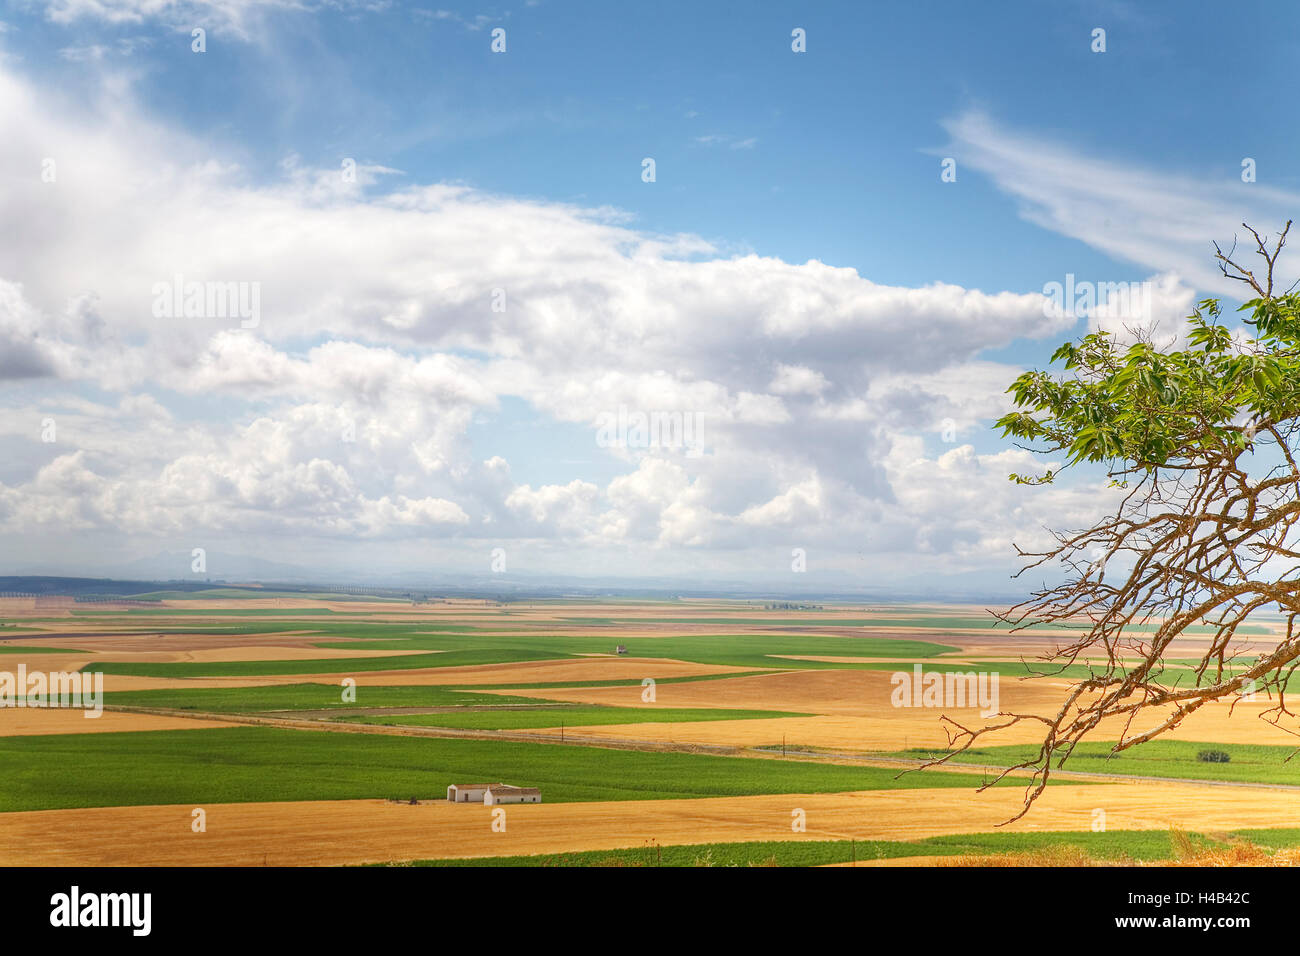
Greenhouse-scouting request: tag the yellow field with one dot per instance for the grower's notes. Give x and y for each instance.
(849, 711)
(529, 672)
(362, 831)
(26, 721)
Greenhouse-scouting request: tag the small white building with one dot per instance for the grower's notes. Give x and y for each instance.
(492, 793)
(507, 794)
(469, 792)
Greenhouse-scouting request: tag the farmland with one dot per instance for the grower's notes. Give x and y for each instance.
(710, 732)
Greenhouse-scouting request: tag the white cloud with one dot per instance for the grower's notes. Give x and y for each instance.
(798, 380)
(1159, 219)
(473, 24)
(722, 139)
(236, 17)
(1158, 310)
(346, 412)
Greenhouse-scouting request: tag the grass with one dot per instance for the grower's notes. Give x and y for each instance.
(254, 700)
(244, 764)
(1249, 763)
(337, 665)
(13, 649)
(215, 612)
(313, 696)
(1114, 846)
(317, 696)
(759, 651)
(625, 682)
(575, 716)
(740, 650)
(1276, 839)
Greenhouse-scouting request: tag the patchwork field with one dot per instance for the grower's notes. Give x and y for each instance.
(361, 831)
(322, 729)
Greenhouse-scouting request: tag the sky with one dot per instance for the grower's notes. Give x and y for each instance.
(375, 288)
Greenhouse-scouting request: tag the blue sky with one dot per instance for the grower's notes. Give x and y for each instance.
(846, 138)
(1114, 166)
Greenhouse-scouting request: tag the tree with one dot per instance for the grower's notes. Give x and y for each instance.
(1200, 440)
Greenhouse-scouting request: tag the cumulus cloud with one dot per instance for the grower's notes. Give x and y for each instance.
(1155, 309)
(396, 316)
(24, 351)
(798, 379)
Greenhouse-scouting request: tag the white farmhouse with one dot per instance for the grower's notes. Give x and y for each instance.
(502, 793)
(492, 793)
(469, 792)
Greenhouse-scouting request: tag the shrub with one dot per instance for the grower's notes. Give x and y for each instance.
(1214, 756)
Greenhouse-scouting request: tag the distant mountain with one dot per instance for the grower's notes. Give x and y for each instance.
(269, 575)
(177, 565)
(170, 568)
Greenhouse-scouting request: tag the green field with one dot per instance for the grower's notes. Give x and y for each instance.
(1135, 845)
(246, 764)
(1250, 763)
(917, 621)
(241, 763)
(256, 700)
(626, 682)
(335, 665)
(555, 716)
(469, 716)
(742, 650)
(218, 612)
(14, 649)
(453, 650)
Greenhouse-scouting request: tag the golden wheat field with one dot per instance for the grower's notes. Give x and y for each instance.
(546, 696)
(371, 831)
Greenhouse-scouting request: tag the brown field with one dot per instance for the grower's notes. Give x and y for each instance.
(851, 712)
(161, 641)
(856, 712)
(529, 672)
(849, 693)
(360, 831)
(914, 728)
(247, 652)
(25, 721)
